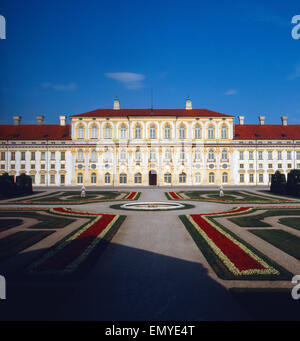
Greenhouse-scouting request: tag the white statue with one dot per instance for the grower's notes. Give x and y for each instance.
(221, 194)
(83, 192)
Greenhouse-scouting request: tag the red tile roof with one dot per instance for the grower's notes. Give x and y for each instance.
(35, 132)
(152, 112)
(266, 132)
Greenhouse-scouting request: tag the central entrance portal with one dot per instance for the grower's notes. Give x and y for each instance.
(152, 178)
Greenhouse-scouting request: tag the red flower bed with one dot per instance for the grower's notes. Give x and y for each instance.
(131, 196)
(173, 195)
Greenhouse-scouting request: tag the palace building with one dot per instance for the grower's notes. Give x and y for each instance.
(145, 147)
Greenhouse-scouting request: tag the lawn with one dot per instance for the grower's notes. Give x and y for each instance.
(6, 224)
(293, 222)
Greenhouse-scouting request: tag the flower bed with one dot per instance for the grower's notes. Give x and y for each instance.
(68, 255)
(229, 256)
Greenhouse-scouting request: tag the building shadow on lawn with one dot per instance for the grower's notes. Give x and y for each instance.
(125, 284)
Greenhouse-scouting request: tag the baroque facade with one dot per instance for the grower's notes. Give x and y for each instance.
(144, 147)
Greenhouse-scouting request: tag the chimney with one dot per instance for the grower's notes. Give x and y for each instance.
(261, 120)
(40, 119)
(17, 120)
(188, 104)
(241, 120)
(116, 104)
(284, 120)
(62, 120)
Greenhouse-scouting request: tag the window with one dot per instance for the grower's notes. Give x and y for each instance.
(32, 166)
(197, 178)
(242, 178)
(182, 132)
(197, 132)
(2, 156)
(197, 155)
(167, 132)
(251, 178)
(13, 156)
(224, 132)
(270, 155)
(123, 131)
(289, 155)
(250, 165)
(33, 178)
(107, 132)
(279, 165)
(289, 165)
(52, 166)
(298, 155)
(94, 132)
(211, 155)
(80, 155)
(93, 178)
(152, 155)
(270, 165)
(167, 178)
(182, 155)
(152, 132)
(32, 156)
(94, 156)
(43, 156)
(137, 131)
(241, 165)
(123, 178)
(79, 178)
(123, 155)
(225, 178)
(167, 155)
(62, 179)
(138, 178)
(52, 179)
(241, 155)
(107, 178)
(137, 155)
(224, 154)
(22, 156)
(279, 155)
(13, 166)
(53, 156)
(210, 132)
(42, 179)
(261, 178)
(250, 155)
(260, 155)
(80, 132)
(22, 166)
(62, 166)
(211, 178)
(182, 178)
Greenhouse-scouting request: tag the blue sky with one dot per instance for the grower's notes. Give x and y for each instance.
(72, 56)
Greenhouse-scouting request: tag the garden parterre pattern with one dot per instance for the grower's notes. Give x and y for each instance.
(230, 197)
(74, 198)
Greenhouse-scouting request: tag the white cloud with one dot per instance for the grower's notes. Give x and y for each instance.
(60, 87)
(230, 92)
(129, 79)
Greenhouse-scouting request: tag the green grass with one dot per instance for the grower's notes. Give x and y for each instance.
(219, 267)
(45, 221)
(283, 240)
(2, 197)
(16, 242)
(6, 224)
(291, 222)
(256, 220)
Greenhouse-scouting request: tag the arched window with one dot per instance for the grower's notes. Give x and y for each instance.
(79, 178)
(123, 155)
(80, 132)
(224, 154)
(197, 132)
(211, 178)
(167, 132)
(211, 155)
(210, 132)
(182, 132)
(182, 155)
(197, 155)
(138, 178)
(225, 177)
(123, 131)
(224, 132)
(94, 156)
(137, 155)
(198, 178)
(152, 155)
(94, 132)
(167, 155)
(152, 132)
(138, 131)
(182, 178)
(167, 178)
(107, 132)
(123, 178)
(93, 178)
(107, 178)
(80, 155)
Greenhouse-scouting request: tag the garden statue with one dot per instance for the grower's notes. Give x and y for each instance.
(221, 194)
(83, 193)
